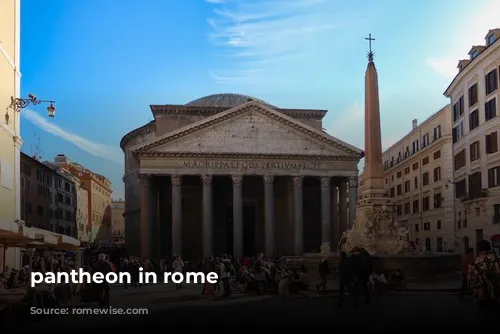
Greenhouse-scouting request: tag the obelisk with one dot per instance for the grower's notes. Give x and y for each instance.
(373, 174)
(375, 228)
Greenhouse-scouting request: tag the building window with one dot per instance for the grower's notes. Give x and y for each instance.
(416, 206)
(415, 146)
(392, 192)
(474, 54)
(460, 160)
(493, 177)
(438, 225)
(407, 208)
(437, 174)
(407, 186)
(496, 214)
(398, 175)
(437, 132)
(415, 166)
(416, 227)
(425, 161)
(437, 155)
(474, 151)
(427, 226)
(491, 82)
(407, 170)
(425, 179)
(458, 109)
(437, 200)
(399, 189)
(491, 39)
(28, 207)
(416, 182)
(458, 132)
(465, 219)
(475, 185)
(491, 143)
(39, 210)
(425, 203)
(490, 109)
(425, 140)
(472, 95)
(473, 120)
(399, 209)
(460, 189)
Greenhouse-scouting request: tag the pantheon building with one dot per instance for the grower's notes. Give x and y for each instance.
(229, 173)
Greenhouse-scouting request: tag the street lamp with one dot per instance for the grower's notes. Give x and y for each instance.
(17, 104)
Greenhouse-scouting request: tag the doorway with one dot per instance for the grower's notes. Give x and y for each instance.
(248, 230)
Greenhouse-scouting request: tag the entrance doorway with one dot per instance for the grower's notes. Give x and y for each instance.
(248, 230)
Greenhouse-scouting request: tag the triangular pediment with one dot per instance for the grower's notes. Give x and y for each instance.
(249, 129)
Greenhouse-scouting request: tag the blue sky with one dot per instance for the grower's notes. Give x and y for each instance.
(105, 62)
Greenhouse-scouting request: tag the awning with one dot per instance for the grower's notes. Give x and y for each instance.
(58, 241)
(16, 235)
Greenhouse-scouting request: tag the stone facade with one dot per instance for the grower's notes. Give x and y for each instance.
(204, 180)
(475, 105)
(418, 176)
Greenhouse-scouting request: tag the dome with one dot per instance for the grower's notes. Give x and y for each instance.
(224, 100)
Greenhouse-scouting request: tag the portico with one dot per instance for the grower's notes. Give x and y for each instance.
(249, 179)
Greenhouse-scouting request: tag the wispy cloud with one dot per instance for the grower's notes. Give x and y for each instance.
(256, 36)
(215, 1)
(99, 150)
(472, 32)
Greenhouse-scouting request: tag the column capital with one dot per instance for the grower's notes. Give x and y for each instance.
(353, 181)
(176, 179)
(268, 179)
(237, 180)
(145, 179)
(325, 181)
(206, 180)
(298, 181)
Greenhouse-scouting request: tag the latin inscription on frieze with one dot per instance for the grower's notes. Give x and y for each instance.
(270, 165)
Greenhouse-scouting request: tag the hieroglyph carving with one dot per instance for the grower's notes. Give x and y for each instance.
(176, 180)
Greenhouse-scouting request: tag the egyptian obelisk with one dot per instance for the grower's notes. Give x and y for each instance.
(373, 174)
(375, 228)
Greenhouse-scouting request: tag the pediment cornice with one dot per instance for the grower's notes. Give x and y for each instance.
(310, 132)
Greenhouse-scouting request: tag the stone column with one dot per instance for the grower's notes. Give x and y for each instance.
(146, 228)
(237, 216)
(176, 214)
(326, 230)
(342, 207)
(289, 234)
(269, 215)
(298, 215)
(353, 199)
(207, 228)
(335, 215)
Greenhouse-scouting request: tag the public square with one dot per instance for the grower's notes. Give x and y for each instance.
(187, 309)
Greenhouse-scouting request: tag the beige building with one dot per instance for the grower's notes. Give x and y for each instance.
(118, 221)
(476, 126)
(228, 173)
(98, 200)
(10, 82)
(82, 211)
(418, 174)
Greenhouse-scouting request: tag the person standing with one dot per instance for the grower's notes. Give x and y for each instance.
(345, 276)
(178, 266)
(467, 258)
(324, 271)
(226, 269)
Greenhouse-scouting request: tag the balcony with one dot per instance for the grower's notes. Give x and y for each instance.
(474, 197)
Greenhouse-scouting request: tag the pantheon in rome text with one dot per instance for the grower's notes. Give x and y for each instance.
(232, 174)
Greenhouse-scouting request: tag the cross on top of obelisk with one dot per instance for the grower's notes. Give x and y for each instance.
(370, 53)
